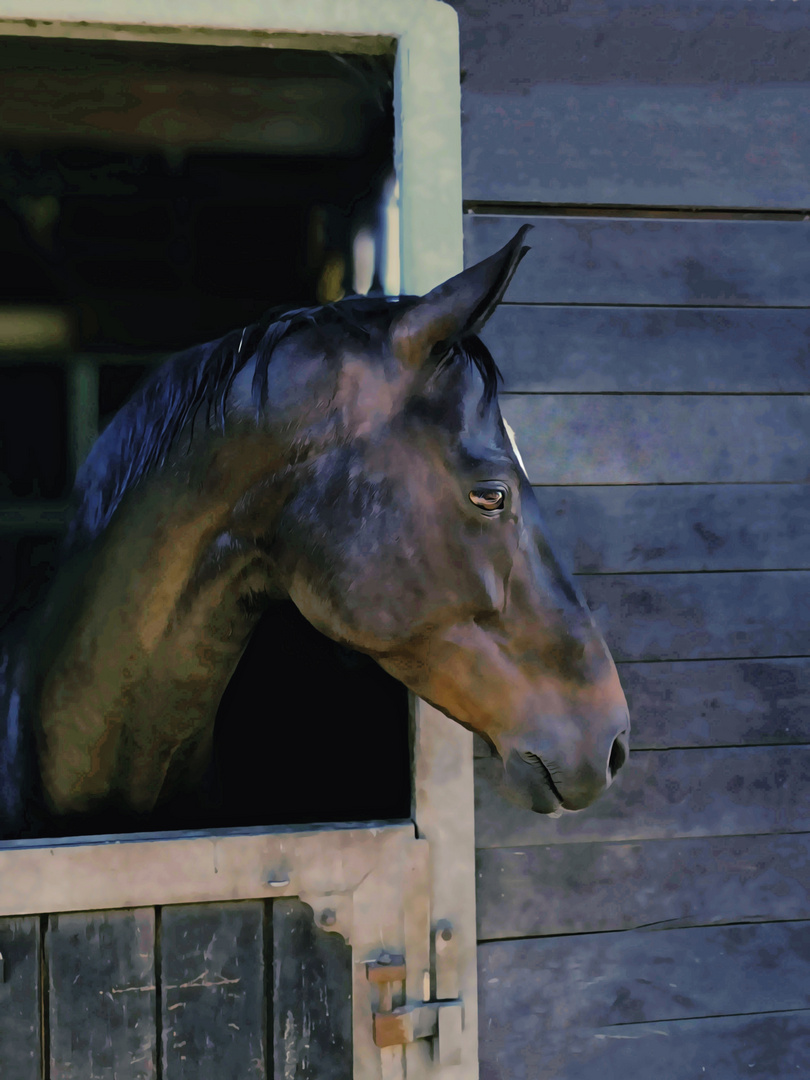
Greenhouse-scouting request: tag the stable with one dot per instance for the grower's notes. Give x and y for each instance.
(185, 176)
(654, 352)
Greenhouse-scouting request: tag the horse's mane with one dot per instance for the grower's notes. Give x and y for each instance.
(143, 432)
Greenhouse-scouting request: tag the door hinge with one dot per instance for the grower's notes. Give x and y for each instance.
(398, 1022)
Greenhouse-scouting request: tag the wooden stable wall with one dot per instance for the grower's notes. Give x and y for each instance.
(656, 350)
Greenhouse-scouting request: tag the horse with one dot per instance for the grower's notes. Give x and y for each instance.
(349, 459)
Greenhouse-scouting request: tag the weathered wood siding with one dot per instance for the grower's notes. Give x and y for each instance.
(657, 376)
(185, 991)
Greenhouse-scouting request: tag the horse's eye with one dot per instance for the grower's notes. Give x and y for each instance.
(488, 499)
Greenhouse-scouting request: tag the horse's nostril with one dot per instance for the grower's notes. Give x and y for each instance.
(618, 756)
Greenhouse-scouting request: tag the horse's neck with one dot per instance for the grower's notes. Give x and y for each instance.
(142, 636)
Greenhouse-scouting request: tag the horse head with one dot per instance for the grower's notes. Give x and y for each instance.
(411, 533)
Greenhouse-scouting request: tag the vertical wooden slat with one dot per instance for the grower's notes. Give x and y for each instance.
(312, 997)
(19, 999)
(101, 991)
(416, 914)
(212, 991)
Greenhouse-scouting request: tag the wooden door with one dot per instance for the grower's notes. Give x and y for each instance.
(290, 953)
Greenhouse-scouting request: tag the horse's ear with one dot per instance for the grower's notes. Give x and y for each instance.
(457, 308)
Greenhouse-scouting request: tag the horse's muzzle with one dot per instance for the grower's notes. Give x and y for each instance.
(540, 783)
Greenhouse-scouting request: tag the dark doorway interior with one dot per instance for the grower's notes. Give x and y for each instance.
(154, 196)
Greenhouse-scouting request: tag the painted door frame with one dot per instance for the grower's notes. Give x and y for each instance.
(91, 874)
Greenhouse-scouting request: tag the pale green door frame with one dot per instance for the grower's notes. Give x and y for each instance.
(424, 36)
(427, 93)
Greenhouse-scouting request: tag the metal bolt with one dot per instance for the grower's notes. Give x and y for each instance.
(447, 934)
(328, 917)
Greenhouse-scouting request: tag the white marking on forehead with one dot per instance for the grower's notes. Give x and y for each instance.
(511, 435)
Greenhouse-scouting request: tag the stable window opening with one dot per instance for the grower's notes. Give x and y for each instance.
(155, 196)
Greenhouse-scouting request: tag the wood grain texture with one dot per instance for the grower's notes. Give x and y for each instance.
(702, 42)
(213, 991)
(696, 104)
(687, 527)
(578, 888)
(663, 795)
(549, 349)
(597, 980)
(619, 144)
(556, 1006)
(577, 260)
(101, 972)
(666, 439)
(20, 999)
(312, 997)
(718, 702)
(713, 703)
(773, 1046)
(702, 616)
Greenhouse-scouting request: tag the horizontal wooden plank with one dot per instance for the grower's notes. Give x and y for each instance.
(611, 529)
(702, 616)
(67, 874)
(559, 349)
(581, 42)
(157, 100)
(598, 260)
(661, 439)
(695, 703)
(775, 1046)
(662, 794)
(651, 883)
(699, 103)
(718, 702)
(619, 144)
(596, 980)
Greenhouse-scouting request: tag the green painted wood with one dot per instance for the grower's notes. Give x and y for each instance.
(580, 888)
(213, 999)
(600, 260)
(101, 996)
(771, 1046)
(663, 794)
(651, 439)
(679, 527)
(20, 999)
(549, 349)
(312, 997)
(702, 616)
(687, 104)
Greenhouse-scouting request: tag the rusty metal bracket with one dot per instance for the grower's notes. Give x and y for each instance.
(407, 1022)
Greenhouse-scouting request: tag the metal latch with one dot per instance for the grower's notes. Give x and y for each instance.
(398, 1022)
